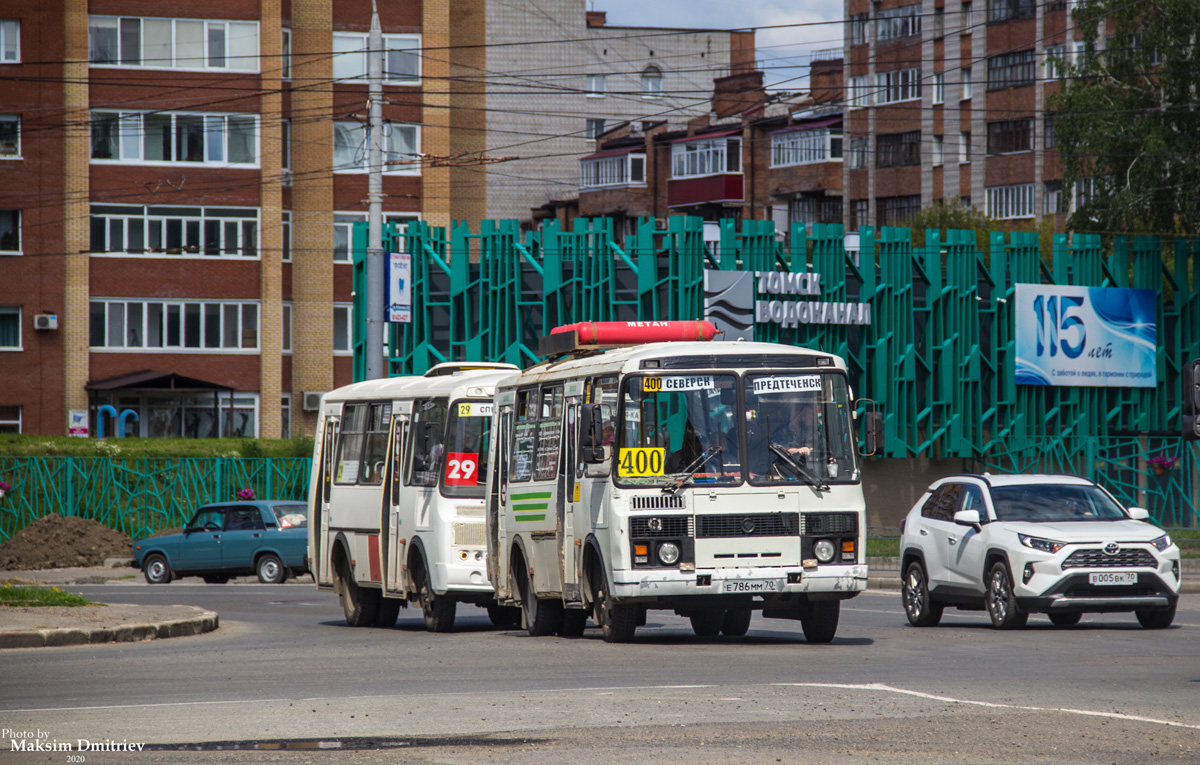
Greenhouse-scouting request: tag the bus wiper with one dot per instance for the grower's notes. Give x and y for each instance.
(689, 472)
(800, 471)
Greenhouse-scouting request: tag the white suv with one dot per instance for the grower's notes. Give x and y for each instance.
(1021, 544)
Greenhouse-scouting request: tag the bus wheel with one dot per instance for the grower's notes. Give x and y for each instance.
(542, 617)
(820, 620)
(618, 622)
(707, 623)
(573, 622)
(504, 616)
(438, 609)
(737, 622)
(358, 604)
(389, 611)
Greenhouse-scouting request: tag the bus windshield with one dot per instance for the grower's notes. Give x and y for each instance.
(464, 464)
(674, 425)
(798, 428)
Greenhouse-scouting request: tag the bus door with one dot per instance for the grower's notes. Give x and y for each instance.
(568, 494)
(392, 531)
(497, 493)
(322, 572)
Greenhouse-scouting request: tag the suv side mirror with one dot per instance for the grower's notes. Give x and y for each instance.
(968, 518)
(1138, 514)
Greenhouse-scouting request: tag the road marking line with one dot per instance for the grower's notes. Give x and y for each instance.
(989, 704)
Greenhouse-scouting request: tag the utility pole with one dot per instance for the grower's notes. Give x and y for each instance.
(376, 272)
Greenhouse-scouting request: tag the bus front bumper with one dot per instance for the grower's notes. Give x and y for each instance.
(657, 583)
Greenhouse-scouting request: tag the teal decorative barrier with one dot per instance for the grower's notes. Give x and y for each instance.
(138, 497)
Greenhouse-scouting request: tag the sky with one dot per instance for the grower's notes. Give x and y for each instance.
(802, 27)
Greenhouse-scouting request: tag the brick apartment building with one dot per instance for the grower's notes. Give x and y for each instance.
(178, 185)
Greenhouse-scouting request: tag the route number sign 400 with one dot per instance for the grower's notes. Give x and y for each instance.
(641, 462)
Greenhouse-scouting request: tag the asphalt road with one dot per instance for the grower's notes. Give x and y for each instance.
(284, 671)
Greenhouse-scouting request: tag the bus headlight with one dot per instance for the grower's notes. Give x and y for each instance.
(824, 550)
(668, 553)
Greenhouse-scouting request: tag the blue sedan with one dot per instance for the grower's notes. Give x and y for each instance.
(267, 538)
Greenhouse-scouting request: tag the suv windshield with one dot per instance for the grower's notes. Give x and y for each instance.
(806, 418)
(671, 424)
(1054, 502)
(464, 464)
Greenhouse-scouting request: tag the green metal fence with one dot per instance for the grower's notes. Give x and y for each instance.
(938, 357)
(138, 497)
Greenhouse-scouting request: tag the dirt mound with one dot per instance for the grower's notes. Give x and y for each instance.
(56, 541)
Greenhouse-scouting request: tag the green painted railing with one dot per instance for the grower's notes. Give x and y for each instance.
(138, 497)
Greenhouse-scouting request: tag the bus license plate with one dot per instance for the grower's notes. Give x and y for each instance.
(1112, 578)
(752, 585)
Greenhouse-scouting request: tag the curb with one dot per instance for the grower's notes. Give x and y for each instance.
(204, 621)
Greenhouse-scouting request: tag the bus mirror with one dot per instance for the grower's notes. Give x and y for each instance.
(873, 433)
(595, 420)
(424, 438)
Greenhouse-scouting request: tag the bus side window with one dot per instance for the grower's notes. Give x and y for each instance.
(603, 390)
(379, 421)
(524, 435)
(425, 444)
(349, 446)
(549, 436)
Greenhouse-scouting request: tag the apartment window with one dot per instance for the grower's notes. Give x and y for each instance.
(900, 85)
(10, 136)
(1010, 10)
(10, 41)
(706, 157)
(596, 85)
(285, 59)
(343, 231)
(285, 154)
(1010, 136)
(1055, 60)
(964, 146)
(968, 20)
(895, 23)
(939, 22)
(1053, 201)
(623, 170)
(285, 416)
(939, 87)
(856, 29)
(860, 92)
(898, 149)
(286, 239)
(859, 149)
(652, 82)
(1048, 131)
(402, 60)
(10, 419)
(169, 43)
(174, 325)
(799, 147)
(343, 328)
(594, 129)
(1083, 192)
(400, 148)
(860, 209)
(186, 231)
(939, 151)
(1004, 202)
(966, 83)
(10, 231)
(1010, 70)
(10, 327)
(215, 139)
(815, 209)
(287, 326)
(896, 211)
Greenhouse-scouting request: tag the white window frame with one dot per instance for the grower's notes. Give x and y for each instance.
(17, 422)
(285, 54)
(13, 310)
(964, 147)
(806, 147)
(249, 61)
(286, 324)
(1010, 202)
(698, 158)
(967, 85)
(14, 118)
(285, 410)
(286, 241)
(239, 310)
(939, 151)
(160, 218)
(896, 86)
(20, 233)
(10, 40)
(860, 92)
(898, 23)
(939, 87)
(1052, 198)
(347, 219)
(594, 128)
(347, 311)
(610, 172)
(596, 85)
(348, 46)
(1055, 60)
(860, 149)
(651, 82)
(357, 133)
(214, 124)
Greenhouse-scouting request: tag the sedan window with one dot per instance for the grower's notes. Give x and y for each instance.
(243, 519)
(291, 516)
(211, 520)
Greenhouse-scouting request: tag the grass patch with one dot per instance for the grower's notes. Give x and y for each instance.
(25, 445)
(17, 595)
(883, 547)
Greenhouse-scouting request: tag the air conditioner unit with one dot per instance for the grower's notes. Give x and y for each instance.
(312, 400)
(661, 224)
(45, 321)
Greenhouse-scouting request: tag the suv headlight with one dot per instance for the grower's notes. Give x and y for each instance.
(1162, 542)
(1037, 543)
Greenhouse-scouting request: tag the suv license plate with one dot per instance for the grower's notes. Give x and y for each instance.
(752, 585)
(1112, 578)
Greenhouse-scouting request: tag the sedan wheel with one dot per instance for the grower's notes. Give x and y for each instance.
(1001, 603)
(271, 570)
(156, 569)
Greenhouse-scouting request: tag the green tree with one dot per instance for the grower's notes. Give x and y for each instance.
(953, 215)
(1127, 124)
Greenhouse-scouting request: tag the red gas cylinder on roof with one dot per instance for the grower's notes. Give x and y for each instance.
(634, 332)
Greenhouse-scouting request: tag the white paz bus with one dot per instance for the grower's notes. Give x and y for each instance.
(397, 495)
(711, 479)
